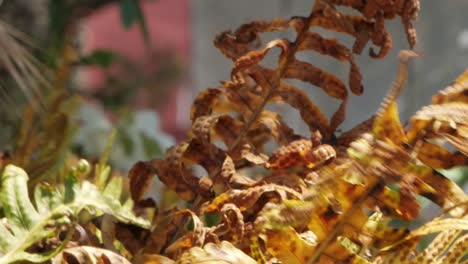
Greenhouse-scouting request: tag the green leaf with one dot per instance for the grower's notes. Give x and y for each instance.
(102, 171)
(114, 188)
(59, 13)
(16, 204)
(46, 198)
(103, 58)
(131, 12)
(23, 226)
(150, 146)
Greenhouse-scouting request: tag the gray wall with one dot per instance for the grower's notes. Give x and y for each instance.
(439, 30)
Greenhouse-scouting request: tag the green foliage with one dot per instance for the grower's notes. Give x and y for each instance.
(102, 58)
(24, 224)
(131, 13)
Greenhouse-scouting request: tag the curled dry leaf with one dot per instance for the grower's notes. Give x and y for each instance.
(232, 223)
(254, 57)
(224, 253)
(331, 47)
(269, 125)
(193, 238)
(172, 172)
(140, 175)
(152, 259)
(307, 72)
(86, 254)
(245, 199)
(302, 152)
(204, 103)
(310, 113)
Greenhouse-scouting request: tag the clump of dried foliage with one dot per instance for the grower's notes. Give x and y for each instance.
(326, 198)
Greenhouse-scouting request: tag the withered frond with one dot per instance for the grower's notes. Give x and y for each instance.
(323, 199)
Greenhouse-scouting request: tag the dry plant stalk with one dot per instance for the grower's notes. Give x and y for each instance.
(309, 200)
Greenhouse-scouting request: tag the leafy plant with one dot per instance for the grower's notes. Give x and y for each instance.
(56, 210)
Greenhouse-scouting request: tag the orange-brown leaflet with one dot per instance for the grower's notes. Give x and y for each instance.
(329, 18)
(411, 34)
(245, 199)
(232, 223)
(176, 176)
(204, 103)
(399, 5)
(371, 8)
(381, 38)
(331, 47)
(299, 152)
(355, 4)
(254, 57)
(245, 39)
(339, 116)
(356, 26)
(290, 155)
(248, 32)
(191, 238)
(228, 129)
(270, 124)
(226, 42)
(206, 155)
(309, 112)
(263, 77)
(306, 72)
(319, 155)
(410, 12)
(355, 79)
(228, 169)
(140, 176)
(241, 98)
(201, 127)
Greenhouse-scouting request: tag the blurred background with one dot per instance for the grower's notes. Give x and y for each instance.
(137, 65)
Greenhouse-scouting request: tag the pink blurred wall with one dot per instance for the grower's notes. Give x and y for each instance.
(168, 23)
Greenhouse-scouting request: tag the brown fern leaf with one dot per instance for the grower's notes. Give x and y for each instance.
(376, 9)
(331, 47)
(301, 151)
(302, 203)
(270, 125)
(232, 226)
(310, 113)
(173, 172)
(245, 199)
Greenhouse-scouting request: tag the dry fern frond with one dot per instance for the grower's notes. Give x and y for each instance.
(309, 200)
